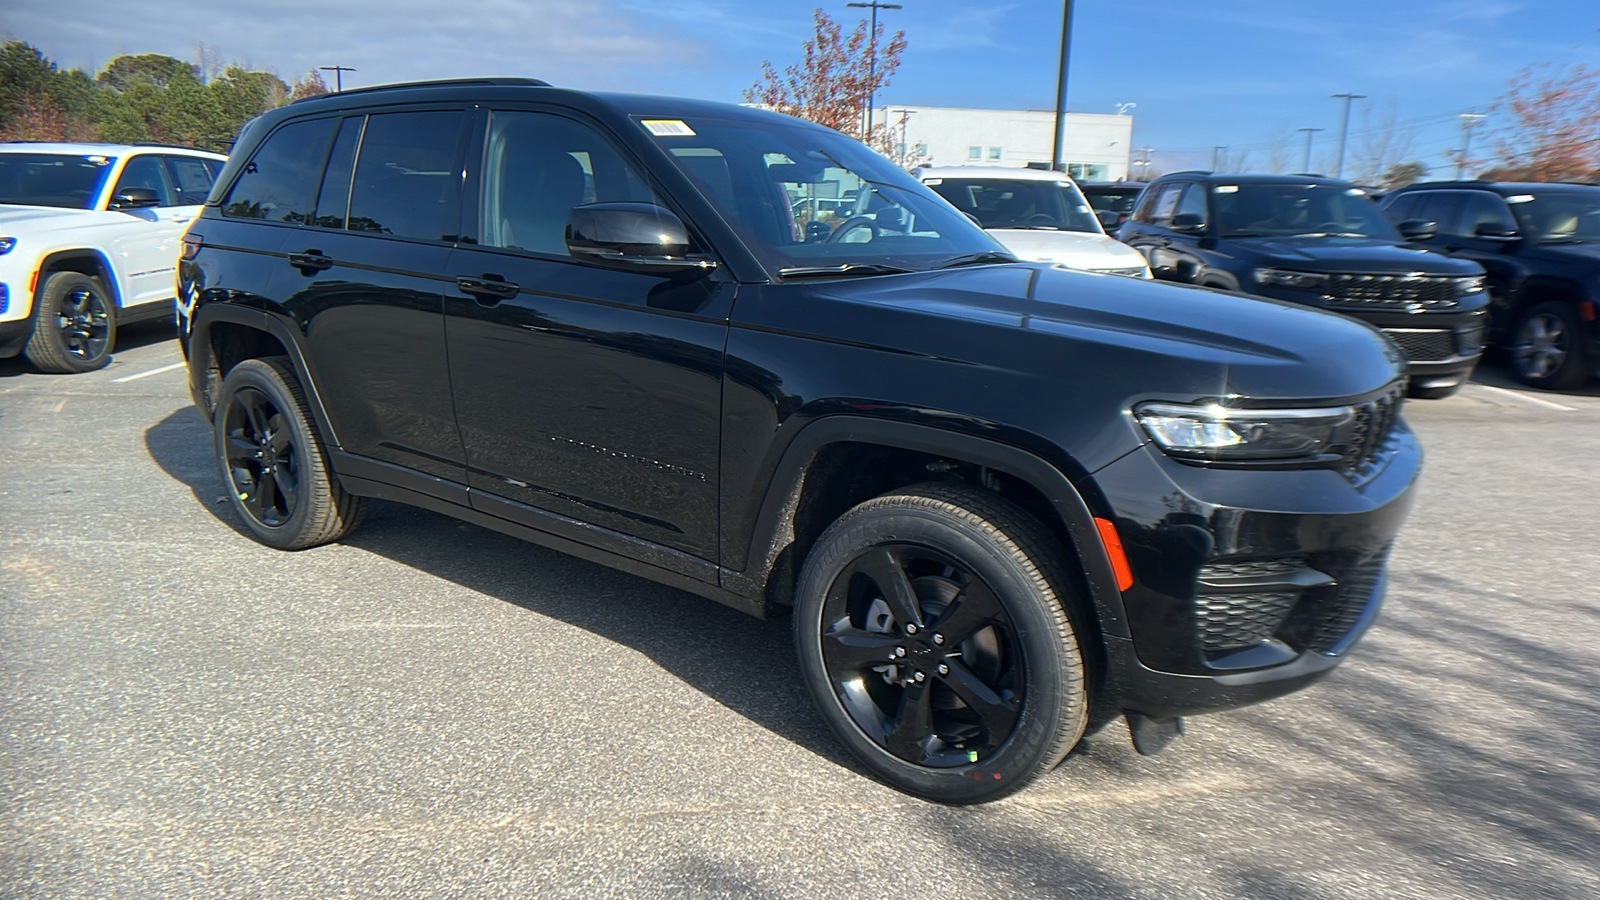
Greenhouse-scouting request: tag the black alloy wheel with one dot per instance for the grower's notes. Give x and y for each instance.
(1546, 351)
(74, 325)
(935, 635)
(272, 462)
(261, 463)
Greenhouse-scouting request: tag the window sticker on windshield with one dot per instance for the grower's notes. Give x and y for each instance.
(1227, 189)
(934, 181)
(667, 127)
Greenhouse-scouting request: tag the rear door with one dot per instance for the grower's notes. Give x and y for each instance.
(586, 396)
(364, 277)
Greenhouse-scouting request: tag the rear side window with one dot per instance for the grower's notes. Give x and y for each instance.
(407, 179)
(191, 178)
(279, 183)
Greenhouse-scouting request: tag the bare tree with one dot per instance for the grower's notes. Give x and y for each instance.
(1384, 144)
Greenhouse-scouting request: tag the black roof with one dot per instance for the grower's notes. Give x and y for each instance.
(1251, 178)
(1498, 187)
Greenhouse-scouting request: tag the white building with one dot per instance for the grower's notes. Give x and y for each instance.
(1096, 146)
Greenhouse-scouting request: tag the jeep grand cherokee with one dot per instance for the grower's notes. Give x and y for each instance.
(1004, 502)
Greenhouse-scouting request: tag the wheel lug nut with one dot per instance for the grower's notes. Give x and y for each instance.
(911, 629)
(899, 651)
(938, 639)
(919, 676)
(944, 669)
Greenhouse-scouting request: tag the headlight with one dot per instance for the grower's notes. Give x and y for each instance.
(1216, 432)
(6, 243)
(1133, 271)
(1466, 286)
(1285, 278)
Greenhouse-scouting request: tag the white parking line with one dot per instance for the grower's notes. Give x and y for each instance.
(1529, 398)
(177, 365)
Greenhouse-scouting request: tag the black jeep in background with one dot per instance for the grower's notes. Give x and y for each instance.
(1005, 502)
(1321, 243)
(1540, 245)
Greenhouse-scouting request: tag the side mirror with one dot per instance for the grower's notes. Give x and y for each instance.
(1489, 231)
(1417, 229)
(135, 198)
(628, 234)
(1188, 223)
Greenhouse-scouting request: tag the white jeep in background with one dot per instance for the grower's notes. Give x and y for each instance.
(89, 240)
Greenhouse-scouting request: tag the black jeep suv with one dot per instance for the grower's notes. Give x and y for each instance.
(1540, 245)
(1006, 502)
(1322, 243)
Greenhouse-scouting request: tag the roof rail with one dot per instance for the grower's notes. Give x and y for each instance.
(1193, 172)
(168, 146)
(443, 82)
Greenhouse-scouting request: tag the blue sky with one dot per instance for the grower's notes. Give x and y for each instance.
(1243, 74)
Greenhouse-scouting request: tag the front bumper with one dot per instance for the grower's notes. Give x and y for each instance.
(1248, 583)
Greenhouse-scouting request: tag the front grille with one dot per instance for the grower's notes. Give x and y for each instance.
(1369, 433)
(1292, 603)
(1424, 345)
(1346, 291)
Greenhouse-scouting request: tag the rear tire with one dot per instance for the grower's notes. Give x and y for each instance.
(272, 461)
(934, 637)
(74, 325)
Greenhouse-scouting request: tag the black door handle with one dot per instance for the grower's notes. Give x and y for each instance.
(310, 261)
(490, 287)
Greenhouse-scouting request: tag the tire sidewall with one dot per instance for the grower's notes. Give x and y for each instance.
(255, 375)
(1048, 674)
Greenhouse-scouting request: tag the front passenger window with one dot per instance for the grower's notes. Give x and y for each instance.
(1485, 211)
(145, 172)
(537, 167)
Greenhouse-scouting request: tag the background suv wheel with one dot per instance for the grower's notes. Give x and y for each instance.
(74, 325)
(1546, 350)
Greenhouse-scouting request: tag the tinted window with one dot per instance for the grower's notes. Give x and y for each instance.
(145, 172)
(279, 183)
(1439, 207)
(1018, 203)
(1288, 208)
(1403, 207)
(1115, 200)
(1193, 202)
(191, 178)
(333, 199)
(1483, 210)
(52, 179)
(407, 181)
(1567, 215)
(1165, 203)
(537, 167)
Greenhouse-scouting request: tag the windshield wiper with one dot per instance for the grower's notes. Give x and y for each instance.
(836, 271)
(977, 259)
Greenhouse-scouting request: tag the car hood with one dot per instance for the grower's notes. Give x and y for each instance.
(36, 219)
(1067, 327)
(1074, 249)
(1365, 255)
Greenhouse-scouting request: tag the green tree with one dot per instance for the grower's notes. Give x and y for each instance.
(38, 101)
(123, 71)
(1401, 174)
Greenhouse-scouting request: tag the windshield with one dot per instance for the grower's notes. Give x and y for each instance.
(1281, 210)
(1117, 200)
(1565, 216)
(1018, 203)
(802, 196)
(52, 179)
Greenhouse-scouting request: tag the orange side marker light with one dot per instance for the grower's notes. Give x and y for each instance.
(1113, 545)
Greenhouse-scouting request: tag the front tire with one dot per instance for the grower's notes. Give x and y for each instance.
(272, 461)
(934, 636)
(74, 325)
(1547, 351)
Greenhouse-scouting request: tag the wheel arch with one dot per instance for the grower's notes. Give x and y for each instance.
(224, 335)
(838, 461)
(84, 261)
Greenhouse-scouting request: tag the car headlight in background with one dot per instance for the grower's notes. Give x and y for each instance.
(1286, 278)
(1468, 286)
(6, 243)
(1221, 433)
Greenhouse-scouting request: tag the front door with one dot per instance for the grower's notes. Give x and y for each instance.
(586, 396)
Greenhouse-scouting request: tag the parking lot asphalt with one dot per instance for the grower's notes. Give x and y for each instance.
(433, 709)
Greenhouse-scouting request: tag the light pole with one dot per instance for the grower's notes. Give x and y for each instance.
(1143, 162)
(1061, 87)
(1344, 128)
(1305, 167)
(338, 75)
(872, 58)
(1216, 152)
(905, 116)
(1468, 120)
